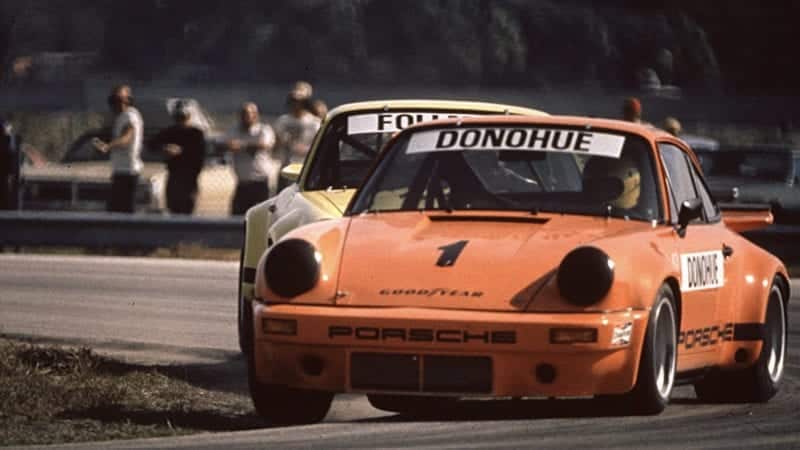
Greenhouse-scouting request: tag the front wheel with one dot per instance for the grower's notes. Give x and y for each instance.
(659, 358)
(282, 405)
(760, 382)
(245, 325)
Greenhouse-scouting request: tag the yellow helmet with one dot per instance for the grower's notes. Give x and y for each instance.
(623, 169)
(628, 172)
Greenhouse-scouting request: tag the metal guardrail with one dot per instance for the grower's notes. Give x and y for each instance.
(116, 230)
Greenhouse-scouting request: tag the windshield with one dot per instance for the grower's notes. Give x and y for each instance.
(516, 169)
(350, 143)
(770, 166)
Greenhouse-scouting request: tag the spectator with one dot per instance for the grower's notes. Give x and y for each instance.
(672, 126)
(256, 171)
(125, 148)
(9, 166)
(632, 110)
(184, 146)
(786, 133)
(295, 130)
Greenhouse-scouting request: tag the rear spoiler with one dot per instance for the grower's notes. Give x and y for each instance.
(741, 217)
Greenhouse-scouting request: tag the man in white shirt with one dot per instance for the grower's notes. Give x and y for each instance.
(125, 148)
(256, 171)
(296, 129)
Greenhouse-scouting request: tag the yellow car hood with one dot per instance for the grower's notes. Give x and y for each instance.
(332, 202)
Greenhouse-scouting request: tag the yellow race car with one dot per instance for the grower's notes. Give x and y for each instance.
(349, 140)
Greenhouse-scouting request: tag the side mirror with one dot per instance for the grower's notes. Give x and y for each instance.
(690, 210)
(292, 172)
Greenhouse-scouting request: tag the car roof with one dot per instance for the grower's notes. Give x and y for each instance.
(648, 131)
(392, 104)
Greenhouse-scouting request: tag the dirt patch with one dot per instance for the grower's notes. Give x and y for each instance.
(51, 394)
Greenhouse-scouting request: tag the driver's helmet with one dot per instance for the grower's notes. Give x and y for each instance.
(623, 169)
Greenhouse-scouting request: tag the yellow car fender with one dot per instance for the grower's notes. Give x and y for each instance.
(270, 220)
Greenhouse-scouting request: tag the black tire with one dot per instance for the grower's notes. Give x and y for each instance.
(761, 381)
(409, 404)
(282, 405)
(243, 324)
(659, 360)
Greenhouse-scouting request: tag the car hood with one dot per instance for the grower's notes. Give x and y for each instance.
(333, 202)
(81, 171)
(471, 260)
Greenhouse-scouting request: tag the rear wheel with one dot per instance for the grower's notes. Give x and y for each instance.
(282, 405)
(658, 362)
(759, 382)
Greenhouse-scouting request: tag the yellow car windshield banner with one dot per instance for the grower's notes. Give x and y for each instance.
(393, 122)
(562, 140)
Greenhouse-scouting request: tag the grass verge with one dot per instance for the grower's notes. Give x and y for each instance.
(53, 395)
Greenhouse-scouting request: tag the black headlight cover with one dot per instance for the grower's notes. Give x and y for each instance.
(291, 268)
(585, 275)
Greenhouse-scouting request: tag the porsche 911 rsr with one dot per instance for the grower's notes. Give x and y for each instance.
(520, 257)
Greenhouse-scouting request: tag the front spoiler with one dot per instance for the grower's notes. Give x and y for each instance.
(517, 344)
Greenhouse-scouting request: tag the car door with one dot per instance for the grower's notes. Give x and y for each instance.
(700, 255)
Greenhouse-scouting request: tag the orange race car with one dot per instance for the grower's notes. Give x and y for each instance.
(520, 257)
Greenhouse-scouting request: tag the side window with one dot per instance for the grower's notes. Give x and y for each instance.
(681, 185)
(710, 210)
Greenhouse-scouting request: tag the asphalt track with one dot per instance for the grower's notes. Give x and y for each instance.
(183, 312)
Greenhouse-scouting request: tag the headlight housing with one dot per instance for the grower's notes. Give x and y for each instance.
(292, 267)
(585, 275)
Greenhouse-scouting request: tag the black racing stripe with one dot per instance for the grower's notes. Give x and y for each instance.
(249, 275)
(748, 331)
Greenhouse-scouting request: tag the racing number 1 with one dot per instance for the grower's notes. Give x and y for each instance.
(450, 253)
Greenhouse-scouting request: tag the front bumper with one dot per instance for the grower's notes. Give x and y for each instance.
(444, 352)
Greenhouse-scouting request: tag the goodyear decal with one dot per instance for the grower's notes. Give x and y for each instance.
(440, 292)
(702, 270)
(392, 122)
(580, 141)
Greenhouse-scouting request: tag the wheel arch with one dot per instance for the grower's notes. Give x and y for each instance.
(673, 284)
(255, 234)
(784, 286)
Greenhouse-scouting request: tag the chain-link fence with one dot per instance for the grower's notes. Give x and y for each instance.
(63, 171)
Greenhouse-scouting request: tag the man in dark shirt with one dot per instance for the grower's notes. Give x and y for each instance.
(9, 166)
(184, 146)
